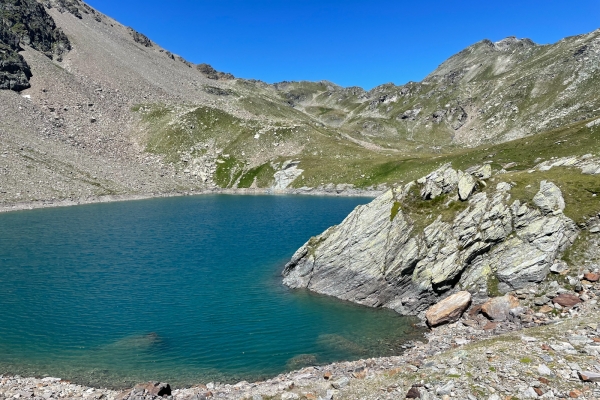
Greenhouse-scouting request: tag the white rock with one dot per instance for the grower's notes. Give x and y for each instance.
(544, 370)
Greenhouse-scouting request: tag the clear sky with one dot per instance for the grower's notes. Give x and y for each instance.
(348, 42)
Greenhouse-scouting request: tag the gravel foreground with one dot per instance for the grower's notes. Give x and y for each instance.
(543, 350)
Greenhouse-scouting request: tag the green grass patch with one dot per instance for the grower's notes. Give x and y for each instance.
(424, 212)
(228, 172)
(263, 175)
(394, 211)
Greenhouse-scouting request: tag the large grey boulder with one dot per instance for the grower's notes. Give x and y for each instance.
(549, 199)
(442, 180)
(377, 257)
(466, 185)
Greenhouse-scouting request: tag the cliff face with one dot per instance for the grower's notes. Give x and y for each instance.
(26, 22)
(385, 254)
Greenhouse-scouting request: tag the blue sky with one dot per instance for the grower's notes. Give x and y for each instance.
(349, 42)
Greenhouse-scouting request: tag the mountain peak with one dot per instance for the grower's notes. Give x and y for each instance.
(512, 42)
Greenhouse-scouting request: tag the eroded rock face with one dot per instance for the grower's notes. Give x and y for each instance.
(377, 257)
(26, 22)
(448, 310)
(287, 175)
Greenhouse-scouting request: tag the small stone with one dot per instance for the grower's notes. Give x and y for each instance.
(566, 300)
(538, 391)
(327, 375)
(546, 309)
(544, 380)
(413, 393)
(544, 370)
(575, 393)
(490, 325)
(592, 277)
(340, 383)
(540, 301)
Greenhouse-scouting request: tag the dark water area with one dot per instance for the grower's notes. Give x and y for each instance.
(182, 290)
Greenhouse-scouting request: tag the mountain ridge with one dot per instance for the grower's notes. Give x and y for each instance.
(143, 120)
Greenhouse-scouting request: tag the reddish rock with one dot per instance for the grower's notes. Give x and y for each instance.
(448, 310)
(546, 309)
(473, 311)
(545, 347)
(538, 391)
(327, 375)
(498, 308)
(490, 325)
(575, 393)
(543, 380)
(566, 300)
(592, 277)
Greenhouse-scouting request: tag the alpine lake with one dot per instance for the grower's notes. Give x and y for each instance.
(183, 290)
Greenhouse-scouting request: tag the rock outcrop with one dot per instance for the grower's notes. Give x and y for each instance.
(26, 22)
(378, 256)
(287, 175)
(211, 73)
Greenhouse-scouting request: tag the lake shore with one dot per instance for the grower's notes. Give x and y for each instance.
(31, 205)
(545, 355)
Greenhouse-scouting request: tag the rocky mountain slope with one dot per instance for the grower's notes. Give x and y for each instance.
(94, 108)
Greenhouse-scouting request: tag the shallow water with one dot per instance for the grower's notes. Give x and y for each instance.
(183, 290)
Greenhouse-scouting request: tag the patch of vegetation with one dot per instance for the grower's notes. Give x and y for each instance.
(525, 360)
(578, 253)
(424, 212)
(394, 211)
(228, 172)
(263, 175)
(492, 285)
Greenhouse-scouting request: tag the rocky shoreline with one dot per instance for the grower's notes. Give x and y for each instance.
(345, 192)
(539, 342)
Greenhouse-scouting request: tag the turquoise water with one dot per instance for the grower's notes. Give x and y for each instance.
(183, 290)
